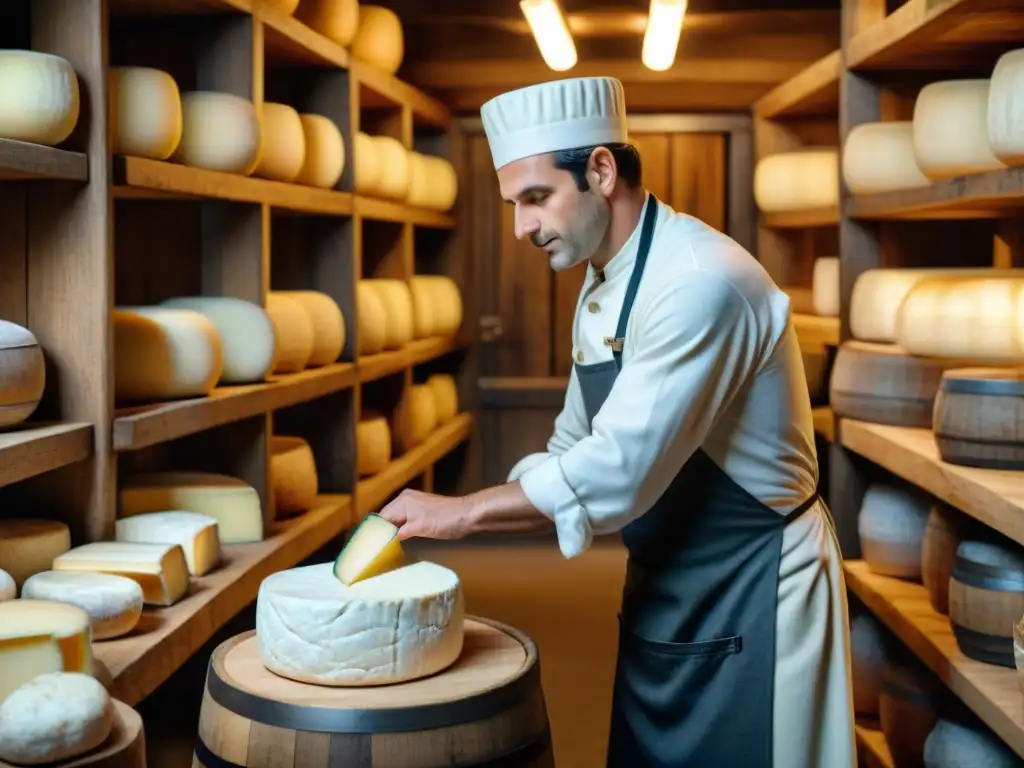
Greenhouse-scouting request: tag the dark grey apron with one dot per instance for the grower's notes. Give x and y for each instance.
(696, 662)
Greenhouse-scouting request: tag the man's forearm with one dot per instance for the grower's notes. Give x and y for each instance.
(505, 509)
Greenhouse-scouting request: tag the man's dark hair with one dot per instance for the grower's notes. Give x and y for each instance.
(575, 162)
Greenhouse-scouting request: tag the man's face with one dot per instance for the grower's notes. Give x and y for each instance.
(567, 224)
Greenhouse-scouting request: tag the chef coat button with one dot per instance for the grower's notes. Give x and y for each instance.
(594, 306)
(579, 357)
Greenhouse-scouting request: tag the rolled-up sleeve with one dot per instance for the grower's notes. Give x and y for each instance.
(697, 347)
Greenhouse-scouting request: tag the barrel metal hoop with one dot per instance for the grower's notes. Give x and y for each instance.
(920, 698)
(997, 387)
(979, 646)
(983, 576)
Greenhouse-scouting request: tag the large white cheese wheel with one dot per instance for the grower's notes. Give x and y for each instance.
(27, 546)
(232, 503)
(114, 603)
(220, 132)
(328, 325)
(325, 153)
(378, 40)
(891, 525)
(8, 589)
(878, 293)
(56, 716)
(146, 106)
(951, 129)
(825, 286)
(162, 353)
(433, 183)
(446, 396)
(367, 167)
(393, 159)
(22, 373)
(878, 157)
(373, 445)
(41, 636)
(977, 318)
(1006, 108)
(373, 549)
(39, 98)
(246, 335)
(867, 659)
(336, 19)
(415, 417)
(284, 143)
(372, 317)
(293, 475)
(798, 180)
(198, 535)
(396, 299)
(952, 744)
(294, 332)
(160, 569)
(402, 625)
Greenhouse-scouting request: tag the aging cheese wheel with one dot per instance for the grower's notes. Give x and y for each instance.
(946, 528)
(798, 180)
(415, 417)
(39, 97)
(325, 153)
(22, 373)
(975, 318)
(446, 396)
(908, 709)
(433, 183)
(378, 40)
(293, 474)
(335, 19)
(162, 353)
(294, 331)
(879, 157)
(979, 417)
(160, 569)
(328, 325)
(423, 305)
(439, 304)
(967, 744)
(1005, 107)
(373, 445)
(198, 535)
(396, 299)
(867, 659)
(28, 546)
(114, 603)
(8, 589)
(891, 525)
(284, 143)
(220, 132)
(882, 384)
(146, 106)
(402, 625)
(393, 160)
(368, 166)
(951, 129)
(825, 286)
(372, 319)
(246, 335)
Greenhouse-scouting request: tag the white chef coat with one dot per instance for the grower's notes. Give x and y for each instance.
(710, 361)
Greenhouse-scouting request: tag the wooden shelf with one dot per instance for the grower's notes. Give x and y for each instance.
(824, 422)
(20, 161)
(379, 89)
(286, 39)
(388, 210)
(816, 332)
(939, 35)
(812, 217)
(871, 746)
(980, 196)
(991, 691)
(813, 92)
(373, 367)
(166, 637)
(372, 492)
(995, 497)
(32, 449)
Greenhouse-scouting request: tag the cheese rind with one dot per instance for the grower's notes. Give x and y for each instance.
(396, 300)
(415, 416)
(160, 569)
(39, 97)
(328, 325)
(335, 19)
(197, 534)
(393, 159)
(372, 319)
(373, 445)
(446, 396)
(372, 549)
(28, 546)
(951, 129)
(798, 180)
(325, 152)
(8, 589)
(402, 625)
(378, 40)
(22, 373)
(878, 157)
(825, 286)
(294, 332)
(220, 132)
(293, 472)
(284, 143)
(146, 106)
(114, 603)
(1005, 105)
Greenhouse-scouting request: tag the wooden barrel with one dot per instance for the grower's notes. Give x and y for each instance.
(979, 417)
(966, 744)
(986, 598)
(908, 710)
(882, 384)
(1018, 651)
(487, 709)
(946, 528)
(891, 527)
(867, 660)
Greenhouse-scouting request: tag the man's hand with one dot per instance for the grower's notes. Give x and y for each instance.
(428, 516)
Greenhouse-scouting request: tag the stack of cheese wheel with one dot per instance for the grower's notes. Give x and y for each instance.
(966, 743)
(367, 167)
(325, 152)
(825, 286)
(293, 475)
(294, 331)
(334, 19)
(41, 101)
(146, 106)
(868, 641)
(114, 603)
(28, 546)
(395, 300)
(372, 319)
(378, 40)
(891, 526)
(951, 129)
(22, 373)
(798, 180)
(284, 144)
(373, 444)
(392, 160)
(979, 417)
(1005, 132)
(327, 322)
(433, 183)
(986, 597)
(415, 417)
(446, 396)
(879, 157)
(908, 708)
(220, 132)
(946, 528)
(437, 306)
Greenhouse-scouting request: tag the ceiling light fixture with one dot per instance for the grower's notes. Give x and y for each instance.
(661, 39)
(551, 31)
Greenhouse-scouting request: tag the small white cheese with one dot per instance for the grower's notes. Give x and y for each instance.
(114, 603)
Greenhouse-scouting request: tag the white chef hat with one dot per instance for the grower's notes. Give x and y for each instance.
(561, 114)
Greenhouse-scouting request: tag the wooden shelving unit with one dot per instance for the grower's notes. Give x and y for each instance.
(872, 751)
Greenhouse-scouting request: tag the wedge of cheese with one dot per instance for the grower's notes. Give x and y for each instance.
(196, 533)
(160, 569)
(373, 549)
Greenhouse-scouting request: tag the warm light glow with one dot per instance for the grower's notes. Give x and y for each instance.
(551, 32)
(664, 23)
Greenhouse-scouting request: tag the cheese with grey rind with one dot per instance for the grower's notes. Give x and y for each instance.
(22, 373)
(8, 589)
(114, 603)
(891, 525)
(402, 625)
(197, 534)
(39, 97)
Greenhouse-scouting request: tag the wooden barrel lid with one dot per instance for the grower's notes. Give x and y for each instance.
(125, 747)
(498, 666)
(1000, 382)
(989, 565)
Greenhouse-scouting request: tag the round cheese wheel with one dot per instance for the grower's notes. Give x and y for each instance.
(891, 526)
(28, 546)
(433, 183)
(378, 40)
(986, 597)
(284, 143)
(328, 325)
(798, 180)
(372, 318)
(968, 744)
(293, 472)
(825, 286)
(146, 107)
(162, 353)
(423, 304)
(396, 299)
(294, 331)
(22, 373)
(415, 417)
(114, 603)
(373, 445)
(878, 157)
(335, 19)
(8, 589)
(285, 6)
(56, 716)
(446, 396)
(39, 97)
(442, 296)
(325, 153)
(951, 129)
(220, 132)
(246, 335)
(867, 659)
(367, 168)
(393, 160)
(1005, 108)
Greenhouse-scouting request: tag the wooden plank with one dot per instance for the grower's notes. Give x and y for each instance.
(812, 217)
(373, 367)
(991, 691)
(388, 210)
(979, 196)
(166, 637)
(872, 750)
(381, 89)
(23, 160)
(816, 332)
(813, 91)
(995, 497)
(33, 449)
(287, 39)
(824, 422)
